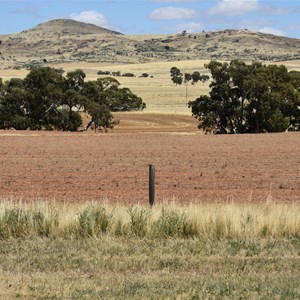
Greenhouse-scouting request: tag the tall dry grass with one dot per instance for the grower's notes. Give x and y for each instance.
(95, 251)
(212, 221)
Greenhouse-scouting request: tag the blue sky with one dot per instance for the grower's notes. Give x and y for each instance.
(281, 17)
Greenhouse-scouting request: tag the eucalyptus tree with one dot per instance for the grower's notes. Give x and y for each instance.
(249, 98)
(46, 99)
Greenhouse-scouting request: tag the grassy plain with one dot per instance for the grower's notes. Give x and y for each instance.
(159, 93)
(203, 252)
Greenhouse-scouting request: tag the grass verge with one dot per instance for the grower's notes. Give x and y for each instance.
(228, 251)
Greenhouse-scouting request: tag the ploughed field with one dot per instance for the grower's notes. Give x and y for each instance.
(113, 166)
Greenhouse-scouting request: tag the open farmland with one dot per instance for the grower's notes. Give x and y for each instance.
(190, 167)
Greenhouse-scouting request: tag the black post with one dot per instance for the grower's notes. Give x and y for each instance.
(151, 185)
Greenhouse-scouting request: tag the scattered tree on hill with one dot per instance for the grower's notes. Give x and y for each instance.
(176, 75)
(196, 77)
(187, 77)
(128, 74)
(178, 78)
(116, 73)
(145, 75)
(100, 72)
(249, 99)
(46, 99)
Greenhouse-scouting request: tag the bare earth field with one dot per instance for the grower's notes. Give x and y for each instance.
(190, 167)
(113, 167)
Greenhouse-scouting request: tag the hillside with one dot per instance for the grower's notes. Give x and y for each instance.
(65, 41)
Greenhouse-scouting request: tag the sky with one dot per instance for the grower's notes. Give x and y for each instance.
(280, 17)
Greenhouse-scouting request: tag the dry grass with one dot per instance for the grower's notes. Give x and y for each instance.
(111, 268)
(160, 95)
(212, 221)
(240, 251)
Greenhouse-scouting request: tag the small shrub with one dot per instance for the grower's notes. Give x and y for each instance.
(15, 223)
(94, 221)
(172, 223)
(45, 226)
(139, 218)
(120, 229)
(38, 219)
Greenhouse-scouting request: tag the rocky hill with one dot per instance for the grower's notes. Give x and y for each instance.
(65, 41)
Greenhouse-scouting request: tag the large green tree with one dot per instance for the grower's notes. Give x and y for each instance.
(13, 105)
(46, 99)
(106, 96)
(44, 88)
(249, 98)
(97, 103)
(72, 101)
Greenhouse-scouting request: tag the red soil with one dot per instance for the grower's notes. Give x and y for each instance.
(114, 166)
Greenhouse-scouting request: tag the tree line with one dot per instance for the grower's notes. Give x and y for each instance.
(249, 98)
(47, 100)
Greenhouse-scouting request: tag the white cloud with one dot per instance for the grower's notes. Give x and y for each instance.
(272, 31)
(190, 27)
(234, 7)
(91, 17)
(262, 25)
(173, 13)
(272, 10)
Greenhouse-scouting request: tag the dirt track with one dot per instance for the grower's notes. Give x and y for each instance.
(114, 166)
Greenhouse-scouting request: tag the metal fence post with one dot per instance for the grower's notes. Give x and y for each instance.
(151, 185)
